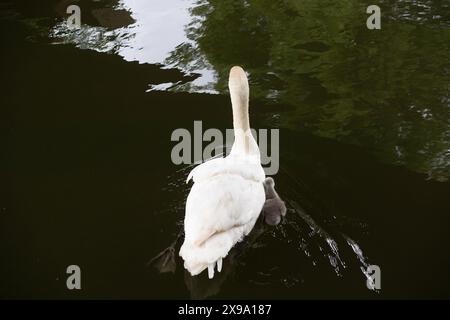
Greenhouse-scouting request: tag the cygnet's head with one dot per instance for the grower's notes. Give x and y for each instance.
(269, 184)
(269, 181)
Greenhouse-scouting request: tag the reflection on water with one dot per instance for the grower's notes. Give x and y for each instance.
(387, 91)
(158, 28)
(85, 184)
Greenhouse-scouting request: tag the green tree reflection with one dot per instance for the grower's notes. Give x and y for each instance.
(386, 90)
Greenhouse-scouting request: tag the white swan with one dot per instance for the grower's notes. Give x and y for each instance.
(228, 193)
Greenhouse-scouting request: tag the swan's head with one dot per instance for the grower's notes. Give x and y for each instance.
(239, 92)
(237, 78)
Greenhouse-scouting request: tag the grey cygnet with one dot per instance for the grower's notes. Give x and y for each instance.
(274, 208)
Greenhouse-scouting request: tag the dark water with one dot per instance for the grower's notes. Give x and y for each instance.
(87, 115)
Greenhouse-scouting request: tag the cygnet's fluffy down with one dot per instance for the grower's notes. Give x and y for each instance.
(274, 208)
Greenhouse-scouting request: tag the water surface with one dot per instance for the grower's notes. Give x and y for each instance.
(87, 117)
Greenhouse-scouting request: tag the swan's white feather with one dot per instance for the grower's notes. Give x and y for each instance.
(230, 165)
(228, 193)
(222, 207)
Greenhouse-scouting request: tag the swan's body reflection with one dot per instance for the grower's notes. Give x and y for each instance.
(200, 287)
(165, 260)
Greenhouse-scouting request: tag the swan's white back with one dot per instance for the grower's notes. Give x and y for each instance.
(228, 193)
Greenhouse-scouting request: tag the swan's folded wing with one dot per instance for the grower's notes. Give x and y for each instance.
(221, 204)
(205, 169)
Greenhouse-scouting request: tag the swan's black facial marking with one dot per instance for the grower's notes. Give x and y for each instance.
(274, 208)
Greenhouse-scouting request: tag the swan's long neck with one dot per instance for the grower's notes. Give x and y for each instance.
(244, 142)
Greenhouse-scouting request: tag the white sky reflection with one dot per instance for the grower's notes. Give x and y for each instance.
(158, 29)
